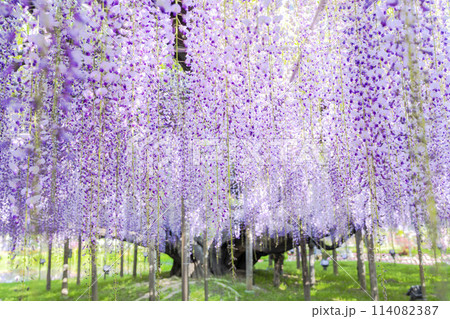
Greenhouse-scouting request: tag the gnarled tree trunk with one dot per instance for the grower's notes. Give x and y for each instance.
(219, 259)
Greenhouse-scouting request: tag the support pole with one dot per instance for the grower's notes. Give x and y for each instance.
(135, 258)
(311, 263)
(184, 255)
(305, 277)
(249, 258)
(372, 267)
(205, 264)
(94, 284)
(79, 261)
(297, 254)
(152, 272)
(49, 267)
(335, 264)
(361, 267)
(121, 259)
(421, 270)
(65, 277)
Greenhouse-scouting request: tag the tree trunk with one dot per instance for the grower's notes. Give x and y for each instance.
(361, 267)
(49, 267)
(94, 285)
(297, 255)
(305, 277)
(135, 258)
(185, 257)
(65, 277)
(419, 252)
(152, 273)
(219, 257)
(79, 261)
(311, 264)
(270, 260)
(372, 267)
(277, 269)
(121, 259)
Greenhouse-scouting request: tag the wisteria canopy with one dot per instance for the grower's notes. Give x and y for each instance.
(284, 116)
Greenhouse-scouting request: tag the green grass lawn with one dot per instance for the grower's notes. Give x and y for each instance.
(15, 263)
(394, 279)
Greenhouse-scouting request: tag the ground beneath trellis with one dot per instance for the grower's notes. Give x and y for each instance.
(395, 279)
